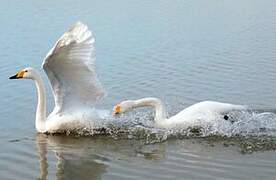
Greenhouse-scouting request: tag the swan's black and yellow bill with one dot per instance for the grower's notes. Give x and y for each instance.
(13, 77)
(18, 75)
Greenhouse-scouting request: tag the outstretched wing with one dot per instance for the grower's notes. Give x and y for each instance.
(70, 69)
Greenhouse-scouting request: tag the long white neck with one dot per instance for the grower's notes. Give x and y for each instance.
(40, 119)
(160, 110)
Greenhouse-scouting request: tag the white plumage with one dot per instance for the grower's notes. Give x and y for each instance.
(191, 116)
(76, 88)
(70, 69)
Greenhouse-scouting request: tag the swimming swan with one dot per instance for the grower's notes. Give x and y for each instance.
(189, 116)
(69, 66)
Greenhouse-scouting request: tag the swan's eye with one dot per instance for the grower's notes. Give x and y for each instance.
(26, 71)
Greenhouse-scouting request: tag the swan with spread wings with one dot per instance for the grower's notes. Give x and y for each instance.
(69, 66)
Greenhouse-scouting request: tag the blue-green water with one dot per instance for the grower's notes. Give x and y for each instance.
(180, 51)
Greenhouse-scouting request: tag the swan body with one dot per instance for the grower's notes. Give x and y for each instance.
(205, 110)
(69, 66)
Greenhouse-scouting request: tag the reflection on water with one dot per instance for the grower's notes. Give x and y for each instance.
(82, 158)
(88, 165)
(63, 157)
(41, 146)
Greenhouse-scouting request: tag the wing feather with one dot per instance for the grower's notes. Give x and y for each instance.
(70, 67)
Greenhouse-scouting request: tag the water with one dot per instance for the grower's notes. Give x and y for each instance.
(182, 52)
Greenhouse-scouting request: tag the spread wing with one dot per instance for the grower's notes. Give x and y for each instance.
(70, 68)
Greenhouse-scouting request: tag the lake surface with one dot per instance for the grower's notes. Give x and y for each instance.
(180, 51)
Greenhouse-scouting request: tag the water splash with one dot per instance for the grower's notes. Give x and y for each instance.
(254, 130)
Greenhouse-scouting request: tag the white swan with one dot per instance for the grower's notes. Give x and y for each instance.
(69, 66)
(205, 110)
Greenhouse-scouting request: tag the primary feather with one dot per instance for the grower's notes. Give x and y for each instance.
(70, 66)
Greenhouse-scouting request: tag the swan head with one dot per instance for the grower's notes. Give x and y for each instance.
(123, 106)
(26, 73)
